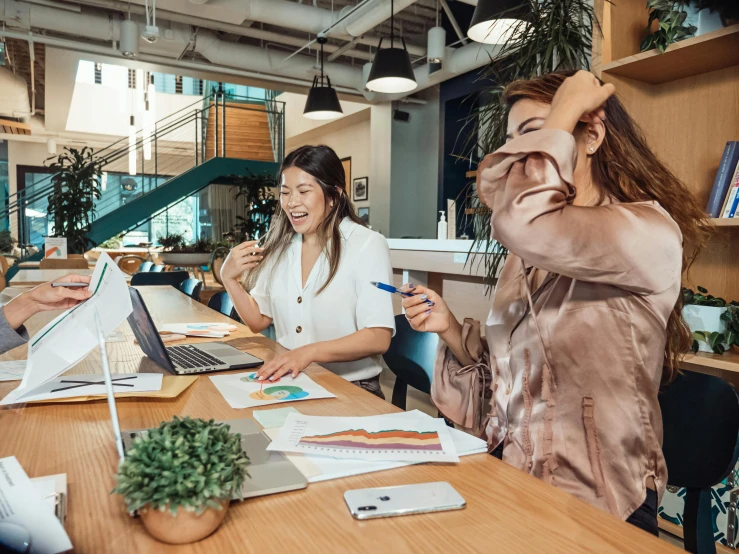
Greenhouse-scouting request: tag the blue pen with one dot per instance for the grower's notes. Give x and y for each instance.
(392, 290)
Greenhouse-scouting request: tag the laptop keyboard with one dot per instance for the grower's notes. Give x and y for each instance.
(187, 356)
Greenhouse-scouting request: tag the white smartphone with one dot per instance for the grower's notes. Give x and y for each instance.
(403, 500)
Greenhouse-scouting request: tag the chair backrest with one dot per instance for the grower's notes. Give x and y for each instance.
(412, 354)
(173, 278)
(216, 261)
(191, 287)
(145, 267)
(130, 263)
(157, 268)
(700, 414)
(221, 302)
(69, 263)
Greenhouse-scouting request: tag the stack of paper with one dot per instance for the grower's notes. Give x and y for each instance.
(321, 467)
(208, 330)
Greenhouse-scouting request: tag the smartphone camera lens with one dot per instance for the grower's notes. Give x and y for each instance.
(384, 498)
(367, 508)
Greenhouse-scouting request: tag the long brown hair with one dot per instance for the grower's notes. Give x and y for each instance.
(624, 168)
(325, 166)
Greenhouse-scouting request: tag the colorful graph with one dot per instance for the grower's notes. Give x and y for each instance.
(54, 251)
(252, 378)
(280, 392)
(393, 439)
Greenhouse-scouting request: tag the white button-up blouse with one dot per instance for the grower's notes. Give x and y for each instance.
(349, 303)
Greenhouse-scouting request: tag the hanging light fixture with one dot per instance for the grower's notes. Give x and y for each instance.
(322, 102)
(132, 147)
(391, 69)
(497, 21)
(149, 117)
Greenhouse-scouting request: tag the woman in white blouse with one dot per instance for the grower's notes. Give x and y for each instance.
(312, 278)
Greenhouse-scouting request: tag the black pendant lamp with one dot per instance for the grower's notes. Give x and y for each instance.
(322, 102)
(391, 69)
(496, 21)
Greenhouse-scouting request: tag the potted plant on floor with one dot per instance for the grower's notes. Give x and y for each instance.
(181, 477)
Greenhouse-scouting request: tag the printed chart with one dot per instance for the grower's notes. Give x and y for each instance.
(243, 390)
(378, 438)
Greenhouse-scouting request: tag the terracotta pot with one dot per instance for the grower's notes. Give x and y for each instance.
(185, 527)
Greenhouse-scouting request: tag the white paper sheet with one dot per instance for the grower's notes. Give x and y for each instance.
(376, 438)
(242, 390)
(65, 341)
(12, 370)
(211, 330)
(20, 503)
(324, 468)
(70, 386)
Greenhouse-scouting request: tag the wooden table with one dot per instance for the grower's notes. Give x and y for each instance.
(507, 510)
(33, 277)
(36, 265)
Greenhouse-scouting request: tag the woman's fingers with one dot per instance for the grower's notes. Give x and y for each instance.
(284, 370)
(410, 313)
(418, 321)
(73, 278)
(74, 294)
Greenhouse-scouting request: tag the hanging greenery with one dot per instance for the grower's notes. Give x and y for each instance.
(556, 36)
(77, 181)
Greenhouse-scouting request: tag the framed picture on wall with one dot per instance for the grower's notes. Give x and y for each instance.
(360, 189)
(347, 163)
(363, 214)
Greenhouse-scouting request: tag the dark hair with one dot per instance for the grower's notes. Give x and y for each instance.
(325, 166)
(626, 169)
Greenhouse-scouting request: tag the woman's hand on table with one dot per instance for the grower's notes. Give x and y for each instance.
(244, 257)
(424, 317)
(293, 362)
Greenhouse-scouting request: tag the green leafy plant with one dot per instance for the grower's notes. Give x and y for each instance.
(77, 180)
(702, 298)
(171, 242)
(556, 36)
(259, 204)
(176, 244)
(7, 242)
(191, 463)
(113, 242)
(731, 318)
(715, 340)
(671, 15)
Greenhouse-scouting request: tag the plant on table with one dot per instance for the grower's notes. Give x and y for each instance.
(185, 465)
(718, 341)
(77, 181)
(731, 318)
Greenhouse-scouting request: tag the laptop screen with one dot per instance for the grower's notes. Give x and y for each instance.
(146, 332)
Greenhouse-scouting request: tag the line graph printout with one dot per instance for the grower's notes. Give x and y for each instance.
(377, 438)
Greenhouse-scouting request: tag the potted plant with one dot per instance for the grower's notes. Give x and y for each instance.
(178, 253)
(77, 182)
(671, 16)
(704, 315)
(731, 319)
(181, 476)
(259, 204)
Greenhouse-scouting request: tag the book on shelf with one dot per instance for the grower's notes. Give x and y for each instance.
(723, 180)
(732, 196)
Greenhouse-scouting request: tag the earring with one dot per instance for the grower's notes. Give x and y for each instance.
(592, 149)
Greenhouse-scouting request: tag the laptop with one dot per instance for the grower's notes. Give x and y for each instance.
(183, 359)
(271, 472)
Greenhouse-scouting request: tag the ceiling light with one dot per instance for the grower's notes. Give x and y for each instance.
(391, 69)
(436, 44)
(497, 21)
(150, 34)
(322, 102)
(129, 44)
(132, 147)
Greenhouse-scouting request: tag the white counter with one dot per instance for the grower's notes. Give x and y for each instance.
(430, 245)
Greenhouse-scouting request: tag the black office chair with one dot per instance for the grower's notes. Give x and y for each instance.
(221, 302)
(158, 268)
(145, 267)
(700, 414)
(191, 287)
(173, 278)
(411, 358)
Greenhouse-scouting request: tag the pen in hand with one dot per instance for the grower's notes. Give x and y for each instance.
(392, 290)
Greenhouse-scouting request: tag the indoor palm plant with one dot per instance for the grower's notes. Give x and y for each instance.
(259, 205)
(556, 35)
(77, 179)
(181, 476)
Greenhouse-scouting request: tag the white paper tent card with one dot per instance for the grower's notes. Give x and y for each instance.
(377, 438)
(69, 386)
(55, 248)
(243, 390)
(71, 336)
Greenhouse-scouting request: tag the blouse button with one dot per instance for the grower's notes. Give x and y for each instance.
(300, 299)
(298, 329)
(508, 390)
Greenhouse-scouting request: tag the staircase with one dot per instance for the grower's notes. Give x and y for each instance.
(200, 145)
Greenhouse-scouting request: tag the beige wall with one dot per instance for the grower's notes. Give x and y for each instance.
(349, 142)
